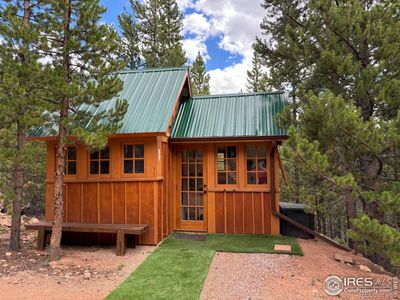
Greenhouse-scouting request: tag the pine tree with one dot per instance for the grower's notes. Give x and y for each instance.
(83, 55)
(171, 20)
(22, 86)
(158, 24)
(199, 79)
(256, 79)
(129, 39)
(341, 61)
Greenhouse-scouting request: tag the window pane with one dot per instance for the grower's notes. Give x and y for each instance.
(221, 166)
(184, 170)
(199, 184)
(184, 213)
(94, 167)
(221, 150)
(251, 178)
(222, 178)
(200, 199)
(231, 177)
(94, 155)
(192, 199)
(71, 153)
(251, 151)
(128, 166)
(200, 170)
(71, 168)
(184, 184)
(199, 214)
(231, 152)
(220, 156)
(105, 167)
(184, 198)
(262, 150)
(139, 151)
(261, 165)
(105, 153)
(128, 151)
(199, 155)
(192, 184)
(139, 166)
(192, 213)
(262, 177)
(191, 155)
(232, 165)
(251, 165)
(192, 171)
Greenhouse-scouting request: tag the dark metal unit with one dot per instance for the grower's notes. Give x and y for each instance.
(296, 212)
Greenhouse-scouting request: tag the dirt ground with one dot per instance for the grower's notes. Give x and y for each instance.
(277, 276)
(82, 273)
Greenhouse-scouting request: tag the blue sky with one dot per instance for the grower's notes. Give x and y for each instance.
(222, 30)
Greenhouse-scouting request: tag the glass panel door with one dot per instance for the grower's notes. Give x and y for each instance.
(192, 182)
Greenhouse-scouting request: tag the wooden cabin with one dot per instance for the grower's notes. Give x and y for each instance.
(178, 162)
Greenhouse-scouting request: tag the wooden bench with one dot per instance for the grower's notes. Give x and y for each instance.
(121, 230)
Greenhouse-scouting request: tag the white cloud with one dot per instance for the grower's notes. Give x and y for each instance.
(183, 4)
(196, 23)
(193, 46)
(237, 23)
(232, 79)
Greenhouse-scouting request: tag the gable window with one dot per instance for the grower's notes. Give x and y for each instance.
(256, 161)
(70, 161)
(226, 165)
(133, 159)
(100, 161)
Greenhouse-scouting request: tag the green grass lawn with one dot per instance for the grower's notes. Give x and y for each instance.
(177, 268)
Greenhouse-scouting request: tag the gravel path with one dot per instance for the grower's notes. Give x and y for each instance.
(82, 273)
(272, 276)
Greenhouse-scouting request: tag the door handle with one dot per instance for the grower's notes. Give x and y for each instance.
(205, 188)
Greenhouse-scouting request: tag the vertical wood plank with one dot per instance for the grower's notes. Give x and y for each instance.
(225, 225)
(252, 209)
(119, 203)
(219, 212)
(156, 213)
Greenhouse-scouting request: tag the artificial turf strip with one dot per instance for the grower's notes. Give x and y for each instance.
(177, 268)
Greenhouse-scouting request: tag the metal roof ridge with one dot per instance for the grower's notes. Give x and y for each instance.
(152, 70)
(238, 94)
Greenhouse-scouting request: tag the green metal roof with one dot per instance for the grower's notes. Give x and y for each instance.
(151, 95)
(235, 115)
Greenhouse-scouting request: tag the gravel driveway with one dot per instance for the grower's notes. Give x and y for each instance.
(277, 276)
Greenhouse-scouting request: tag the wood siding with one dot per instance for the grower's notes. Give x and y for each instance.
(117, 198)
(152, 197)
(234, 209)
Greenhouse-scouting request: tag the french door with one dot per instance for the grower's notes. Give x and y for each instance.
(192, 208)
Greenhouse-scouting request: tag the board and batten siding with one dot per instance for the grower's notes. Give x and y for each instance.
(117, 198)
(232, 209)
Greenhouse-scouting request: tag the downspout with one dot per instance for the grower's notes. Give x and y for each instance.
(276, 213)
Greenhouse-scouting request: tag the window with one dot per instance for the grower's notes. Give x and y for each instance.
(226, 165)
(100, 161)
(70, 161)
(256, 160)
(133, 159)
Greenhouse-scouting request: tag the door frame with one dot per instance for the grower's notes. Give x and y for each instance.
(187, 224)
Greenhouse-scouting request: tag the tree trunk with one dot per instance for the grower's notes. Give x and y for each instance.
(18, 167)
(18, 190)
(58, 205)
(351, 213)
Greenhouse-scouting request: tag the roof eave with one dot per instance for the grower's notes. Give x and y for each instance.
(229, 138)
